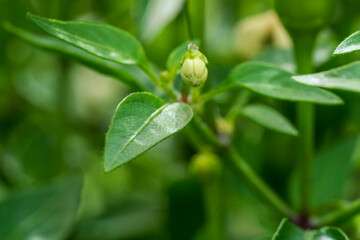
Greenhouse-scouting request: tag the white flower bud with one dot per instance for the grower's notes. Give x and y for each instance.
(194, 71)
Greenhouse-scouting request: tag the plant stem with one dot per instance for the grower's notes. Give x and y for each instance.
(213, 191)
(242, 170)
(339, 216)
(195, 17)
(303, 48)
(156, 80)
(185, 90)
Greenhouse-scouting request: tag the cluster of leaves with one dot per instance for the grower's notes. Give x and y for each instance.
(146, 118)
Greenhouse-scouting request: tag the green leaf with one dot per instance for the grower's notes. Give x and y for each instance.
(46, 213)
(101, 40)
(350, 45)
(173, 61)
(140, 122)
(120, 72)
(269, 118)
(272, 81)
(343, 78)
(288, 231)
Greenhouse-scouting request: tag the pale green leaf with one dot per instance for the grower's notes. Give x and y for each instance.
(343, 78)
(350, 45)
(272, 81)
(140, 122)
(101, 40)
(46, 213)
(269, 118)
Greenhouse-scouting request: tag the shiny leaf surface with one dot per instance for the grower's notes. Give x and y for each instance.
(101, 40)
(345, 78)
(120, 72)
(271, 81)
(140, 122)
(350, 45)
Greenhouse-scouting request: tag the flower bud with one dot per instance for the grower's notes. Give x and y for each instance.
(193, 70)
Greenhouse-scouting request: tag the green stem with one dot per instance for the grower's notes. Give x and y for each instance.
(242, 170)
(156, 80)
(215, 207)
(339, 216)
(195, 14)
(303, 48)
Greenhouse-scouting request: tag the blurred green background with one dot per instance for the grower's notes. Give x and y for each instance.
(54, 114)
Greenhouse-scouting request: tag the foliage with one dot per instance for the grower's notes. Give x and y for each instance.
(189, 152)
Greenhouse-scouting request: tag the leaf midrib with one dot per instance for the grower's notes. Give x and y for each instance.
(142, 127)
(90, 43)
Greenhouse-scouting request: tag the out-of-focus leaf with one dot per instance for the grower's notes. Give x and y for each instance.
(127, 224)
(283, 58)
(173, 61)
(272, 81)
(330, 173)
(101, 40)
(269, 118)
(159, 13)
(288, 231)
(350, 45)
(343, 78)
(140, 122)
(46, 213)
(118, 71)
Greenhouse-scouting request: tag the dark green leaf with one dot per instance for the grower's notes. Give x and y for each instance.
(343, 78)
(118, 71)
(350, 45)
(140, 122)
(101, 40)
(173, 61)
(272, 81)
(288, 231)
(269, 118)
(46, 213)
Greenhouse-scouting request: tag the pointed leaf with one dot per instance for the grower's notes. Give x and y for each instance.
(272, 81)
(269, 118)
(350, 45)
(343, 78)
(46, 213)
(173, 61)
(140, 122)
(120, 72)
(101, 40)
(288, 231)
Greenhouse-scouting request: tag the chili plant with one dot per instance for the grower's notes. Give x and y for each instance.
(161, 107)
